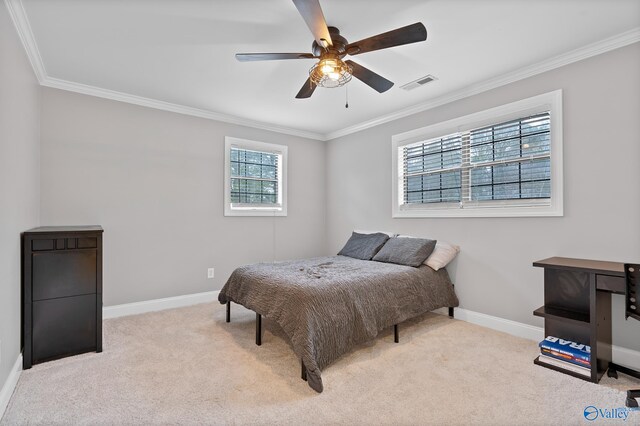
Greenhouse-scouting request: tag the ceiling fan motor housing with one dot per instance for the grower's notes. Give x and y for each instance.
(339, 46)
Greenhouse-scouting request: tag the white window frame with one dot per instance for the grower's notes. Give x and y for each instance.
(551, 102)
(255, 210)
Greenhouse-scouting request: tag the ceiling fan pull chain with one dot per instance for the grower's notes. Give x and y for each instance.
(346, 91)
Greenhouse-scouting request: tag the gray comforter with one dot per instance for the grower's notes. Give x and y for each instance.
(327, 305)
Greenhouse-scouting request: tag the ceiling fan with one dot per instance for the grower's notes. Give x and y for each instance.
(330, 47)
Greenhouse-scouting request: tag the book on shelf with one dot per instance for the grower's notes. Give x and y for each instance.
(584, 371)
(565, 357)
(567, 348)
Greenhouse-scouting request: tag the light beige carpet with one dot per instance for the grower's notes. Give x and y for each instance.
(187, 366)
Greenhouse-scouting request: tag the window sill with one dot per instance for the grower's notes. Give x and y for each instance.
(531, 211)
(255, 212)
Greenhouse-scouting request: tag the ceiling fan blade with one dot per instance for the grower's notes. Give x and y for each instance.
(370, 78)
(307, 89)
(312, 14)
(246, 57)
(405, 35)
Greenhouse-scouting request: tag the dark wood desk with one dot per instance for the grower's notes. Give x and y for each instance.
(577, 306)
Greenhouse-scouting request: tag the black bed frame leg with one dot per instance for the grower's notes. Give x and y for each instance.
(450, 312)
(396, 335)
(303, 374)
(258, 329)
(228, 311)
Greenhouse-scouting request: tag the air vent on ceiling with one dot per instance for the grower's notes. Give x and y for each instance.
(419, 82)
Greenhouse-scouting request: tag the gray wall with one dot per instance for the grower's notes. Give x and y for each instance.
(19, 179)
(154, 181)
(493, 273)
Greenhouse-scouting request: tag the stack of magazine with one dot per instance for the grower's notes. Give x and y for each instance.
(566, 354)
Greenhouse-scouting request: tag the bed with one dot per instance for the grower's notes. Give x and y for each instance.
(327, 305)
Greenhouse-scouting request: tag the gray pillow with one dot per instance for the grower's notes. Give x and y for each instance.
(406, 251)
(363, 246)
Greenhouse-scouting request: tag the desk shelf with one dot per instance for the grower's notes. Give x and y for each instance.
(599, 371)
(562, 370)
(564, 315)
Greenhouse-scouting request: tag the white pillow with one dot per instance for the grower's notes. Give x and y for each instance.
(390, 234)
(443, 254)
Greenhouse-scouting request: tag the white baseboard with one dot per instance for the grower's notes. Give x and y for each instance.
(10, 385)
(627, 357)
(514, 328)
(135, 308)
(620, 355)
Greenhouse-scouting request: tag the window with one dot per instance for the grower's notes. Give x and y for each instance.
(255, 178)
(506, 161)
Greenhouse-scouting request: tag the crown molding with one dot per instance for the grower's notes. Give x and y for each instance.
(21, 23)
(19, 17)
(85, 89)
(602, 46)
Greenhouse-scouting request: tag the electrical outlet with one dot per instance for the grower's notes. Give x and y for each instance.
(210, 273)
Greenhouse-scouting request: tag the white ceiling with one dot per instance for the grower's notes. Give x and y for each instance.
(182, 51)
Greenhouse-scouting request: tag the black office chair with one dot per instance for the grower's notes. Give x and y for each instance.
(632, 309)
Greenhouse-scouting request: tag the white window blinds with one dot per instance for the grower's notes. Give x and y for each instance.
(254, 177)
(505, 161)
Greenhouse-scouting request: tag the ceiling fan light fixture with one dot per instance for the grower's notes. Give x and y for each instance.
(330, 71)
(330, 47)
